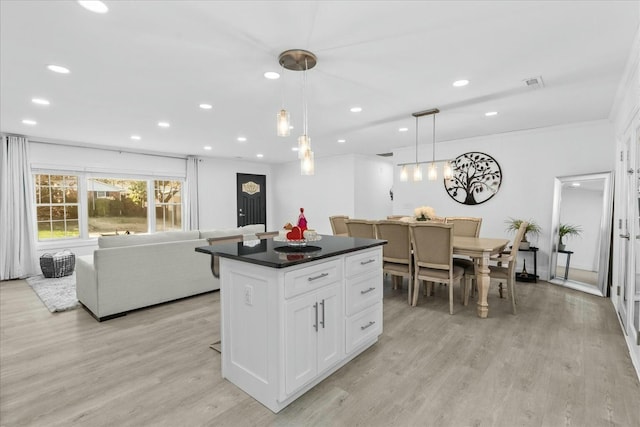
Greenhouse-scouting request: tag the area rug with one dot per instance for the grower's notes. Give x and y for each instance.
(58, 294)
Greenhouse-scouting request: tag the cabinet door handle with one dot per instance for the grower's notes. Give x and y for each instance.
(366, 291)
(625, 236)
(311, 279)
(322, 304)
(315, 306)
(367, 262)
(371, 323)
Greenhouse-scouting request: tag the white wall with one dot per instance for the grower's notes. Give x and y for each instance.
(217, 191)
(530, 160)
(328, 192)
(372, 183)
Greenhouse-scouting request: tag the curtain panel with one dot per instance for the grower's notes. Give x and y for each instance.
(192, 206)
(18, 257)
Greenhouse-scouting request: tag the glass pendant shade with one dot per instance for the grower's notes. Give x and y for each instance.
(283, 123)
(304, 145)
(433, 172)
(417, 173)
(307, 166)
(404, 174)
(447, 170)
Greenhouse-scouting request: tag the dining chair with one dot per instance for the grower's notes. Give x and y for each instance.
(266, 234)
(338, 226)
(395, 217)
(505, 270)
(396, 254)
(361, 228)
(466, 227)
(433, 257)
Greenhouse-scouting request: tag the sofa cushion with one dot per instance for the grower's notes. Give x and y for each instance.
(143, 239)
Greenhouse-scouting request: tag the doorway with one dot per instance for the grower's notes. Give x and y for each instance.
(251, 196)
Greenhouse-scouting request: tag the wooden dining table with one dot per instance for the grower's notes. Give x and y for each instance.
(480, 249)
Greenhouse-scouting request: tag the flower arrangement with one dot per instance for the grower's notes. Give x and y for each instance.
(424, 213)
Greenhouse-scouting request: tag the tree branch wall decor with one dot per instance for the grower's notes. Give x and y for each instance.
(476, 178)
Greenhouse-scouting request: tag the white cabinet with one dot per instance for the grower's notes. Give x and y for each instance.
(363, 290)
(313, 340)
(283, 329)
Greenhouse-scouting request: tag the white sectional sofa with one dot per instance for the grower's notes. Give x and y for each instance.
(128, 272)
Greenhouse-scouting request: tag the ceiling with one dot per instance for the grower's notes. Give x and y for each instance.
(150, 61)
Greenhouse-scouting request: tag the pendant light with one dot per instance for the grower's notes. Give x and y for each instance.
(433, 169)
(283, 121)
(302, 60)
(417, 169)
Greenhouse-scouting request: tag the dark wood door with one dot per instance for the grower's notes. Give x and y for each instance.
(251, 199)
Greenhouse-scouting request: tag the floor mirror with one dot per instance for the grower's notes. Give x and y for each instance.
(581, 232)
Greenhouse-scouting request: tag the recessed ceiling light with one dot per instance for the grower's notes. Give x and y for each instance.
(94, 6)
(271, 75)
(259, 156)
(355, 109)
(242, 139)
(58, 69)
(40, 101)
(342, 141)
(206, 106)
(136, 137)
(403, 129)
(491, 113)
(460, 83)
(29, 122)
(164, 124)
(294, 148)
(575, 184)
(207, 147)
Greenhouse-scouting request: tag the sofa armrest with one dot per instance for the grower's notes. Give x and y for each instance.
(87, 283)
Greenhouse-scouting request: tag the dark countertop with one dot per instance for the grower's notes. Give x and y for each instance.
(271, 253)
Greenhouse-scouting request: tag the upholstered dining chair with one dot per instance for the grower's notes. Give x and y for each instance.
(465, 227)
(505, 270)
(338, 226)
(266, 235)
(395, 217)
(396, 254)
(361, 228)
(433, 257)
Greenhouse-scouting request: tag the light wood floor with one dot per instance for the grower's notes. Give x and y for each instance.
(561, 361)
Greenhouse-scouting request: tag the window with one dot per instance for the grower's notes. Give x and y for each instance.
(57, 206)
(116, 206)
(168, 200)
(108, 206)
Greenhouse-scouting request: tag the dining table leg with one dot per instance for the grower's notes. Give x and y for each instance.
(483, 280)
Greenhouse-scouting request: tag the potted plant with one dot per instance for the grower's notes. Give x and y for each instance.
(513, 224)
(567, 230)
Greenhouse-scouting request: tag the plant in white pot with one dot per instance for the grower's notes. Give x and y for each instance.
(513, 225)
(567, 230)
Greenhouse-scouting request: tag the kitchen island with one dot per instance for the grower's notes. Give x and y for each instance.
(291, 316)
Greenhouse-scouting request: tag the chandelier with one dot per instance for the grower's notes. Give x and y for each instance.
(300, 60)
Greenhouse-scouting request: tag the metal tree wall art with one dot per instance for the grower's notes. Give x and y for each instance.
(476, 178)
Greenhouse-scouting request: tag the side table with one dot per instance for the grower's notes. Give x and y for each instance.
(530, 277)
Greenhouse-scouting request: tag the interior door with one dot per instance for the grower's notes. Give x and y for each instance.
(622, 290)
(251, 197)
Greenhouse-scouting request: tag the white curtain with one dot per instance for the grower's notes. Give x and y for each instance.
(18, 257)
(192, 217)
